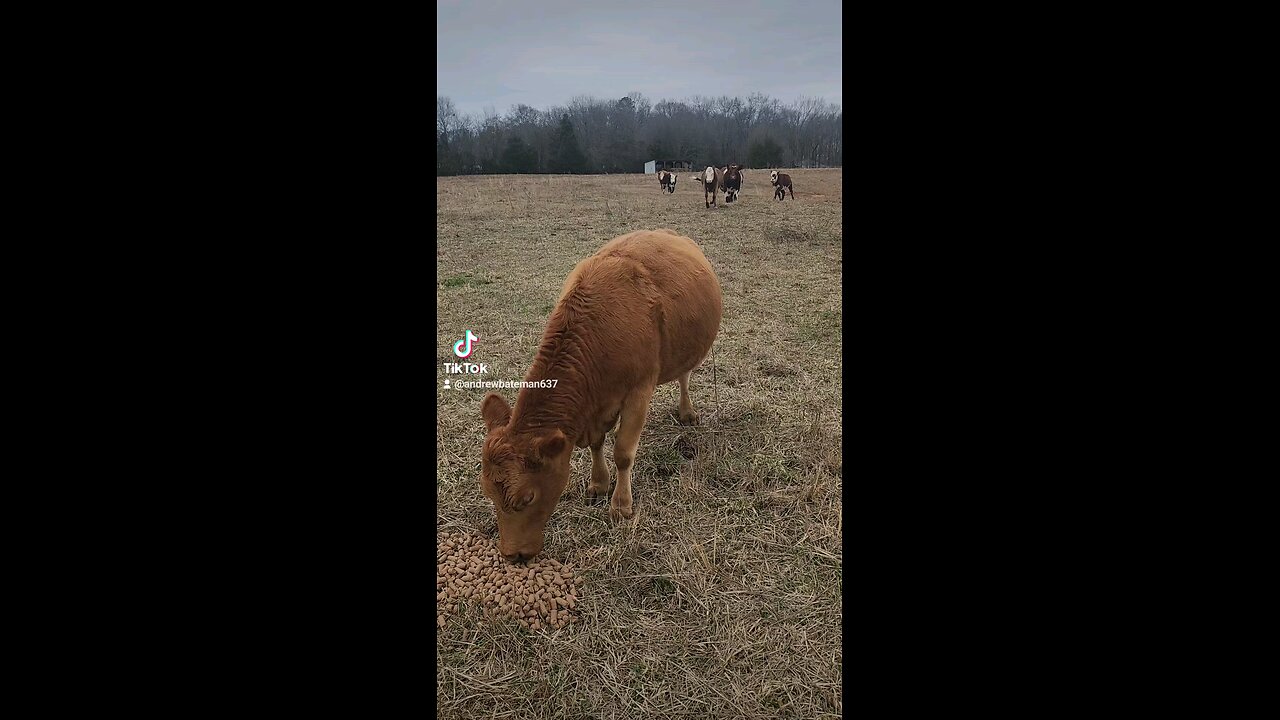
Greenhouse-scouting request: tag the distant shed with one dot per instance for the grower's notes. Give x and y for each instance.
(654, 166)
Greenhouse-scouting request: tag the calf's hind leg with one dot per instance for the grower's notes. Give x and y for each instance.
(635, 410)
(687, 414)
(598, 487)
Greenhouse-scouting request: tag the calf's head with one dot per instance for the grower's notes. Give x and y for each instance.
(524, 475)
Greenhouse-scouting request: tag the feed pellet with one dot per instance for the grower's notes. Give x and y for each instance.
(469, 571)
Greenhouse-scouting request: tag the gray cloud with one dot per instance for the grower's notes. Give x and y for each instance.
(495, 53)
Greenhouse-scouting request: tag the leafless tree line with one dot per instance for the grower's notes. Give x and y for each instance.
(601, 136)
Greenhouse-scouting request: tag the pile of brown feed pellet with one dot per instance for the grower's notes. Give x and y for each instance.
(469, 571)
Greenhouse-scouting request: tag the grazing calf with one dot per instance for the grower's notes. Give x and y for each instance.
(730, 181)
(643, 311)
(781, 183)
(667, 180)
(710, 179)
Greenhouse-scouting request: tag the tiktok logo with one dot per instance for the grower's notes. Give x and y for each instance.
(458, 349)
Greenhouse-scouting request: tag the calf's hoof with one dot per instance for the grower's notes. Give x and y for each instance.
(597, 497)
(688, 418)
(617, 513)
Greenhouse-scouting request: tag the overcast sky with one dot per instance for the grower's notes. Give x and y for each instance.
(499, 53)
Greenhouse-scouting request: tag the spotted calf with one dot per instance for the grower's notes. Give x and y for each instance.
(667, 180)
(781, 183)
(730, 178)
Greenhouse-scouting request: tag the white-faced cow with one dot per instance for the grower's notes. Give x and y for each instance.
(667, 180)
(643, 311)
(781, 183)
(710, 180)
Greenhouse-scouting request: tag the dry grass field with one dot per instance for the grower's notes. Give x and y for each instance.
(721, 597)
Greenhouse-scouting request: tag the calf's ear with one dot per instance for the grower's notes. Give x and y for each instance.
(550, 446)
(495, 411)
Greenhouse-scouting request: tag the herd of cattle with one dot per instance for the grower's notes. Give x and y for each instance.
(727, 180)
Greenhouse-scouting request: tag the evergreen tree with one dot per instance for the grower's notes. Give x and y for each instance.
(519, 157)
(566, 156)
(765, 153)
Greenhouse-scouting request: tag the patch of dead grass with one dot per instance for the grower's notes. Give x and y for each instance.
(721, 598)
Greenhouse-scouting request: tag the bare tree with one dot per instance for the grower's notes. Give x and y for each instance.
(621, 134)
(446, 116)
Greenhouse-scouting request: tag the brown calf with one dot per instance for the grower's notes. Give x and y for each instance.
(781, 183)
(641, 312)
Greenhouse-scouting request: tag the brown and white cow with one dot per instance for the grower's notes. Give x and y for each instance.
(667, 180)
(710, 180)
(643, 311)
(730, 181)
(781, 182)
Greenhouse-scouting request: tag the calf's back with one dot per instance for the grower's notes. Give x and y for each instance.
(652, 304)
